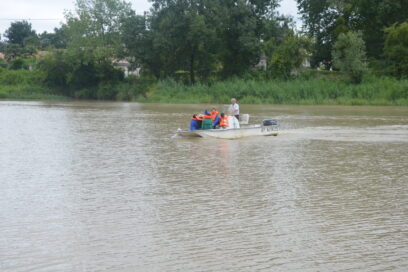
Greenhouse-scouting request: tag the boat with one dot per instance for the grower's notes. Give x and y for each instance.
(234, 130)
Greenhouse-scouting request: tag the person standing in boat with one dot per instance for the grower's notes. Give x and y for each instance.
(234, 108)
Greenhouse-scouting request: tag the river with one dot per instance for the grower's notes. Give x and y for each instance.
(99, 186)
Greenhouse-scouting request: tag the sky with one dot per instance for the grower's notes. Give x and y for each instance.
(45, 15)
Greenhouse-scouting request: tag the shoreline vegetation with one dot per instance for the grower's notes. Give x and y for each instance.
(199, 51)
(311, 87)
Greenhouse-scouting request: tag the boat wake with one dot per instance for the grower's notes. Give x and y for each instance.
(392, 133)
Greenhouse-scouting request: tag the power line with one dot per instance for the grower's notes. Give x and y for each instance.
(28, 19)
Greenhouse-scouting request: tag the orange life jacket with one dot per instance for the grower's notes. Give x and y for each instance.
(199, 118)
(224, 121)
(214, 115)
(208, 116)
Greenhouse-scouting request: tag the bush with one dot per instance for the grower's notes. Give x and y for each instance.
(68, 73)
(17, 63)
(18, 77)
(396, 50)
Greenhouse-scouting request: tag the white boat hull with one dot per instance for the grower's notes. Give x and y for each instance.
(230, 133)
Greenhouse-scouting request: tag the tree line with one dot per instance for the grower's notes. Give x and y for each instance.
(209, 40)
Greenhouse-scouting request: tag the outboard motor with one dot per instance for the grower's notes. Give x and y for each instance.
(270, 125)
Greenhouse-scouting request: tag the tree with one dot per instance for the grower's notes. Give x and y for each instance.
(184, 37)
(55, 40)
(203, 37)
(396, 49)
(13, 51)
(138, 42)
(241, 29)
(70, 71)
(289, 56)
(18, 31)
(241, 41)
(325, 20)
(349, 55)
(372, 16)
(96, 24)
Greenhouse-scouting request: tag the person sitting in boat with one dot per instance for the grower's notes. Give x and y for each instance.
(223, 120)
(195, 122)
(207, 120)
(215, 118)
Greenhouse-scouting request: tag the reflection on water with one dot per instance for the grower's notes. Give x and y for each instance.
(107, 187)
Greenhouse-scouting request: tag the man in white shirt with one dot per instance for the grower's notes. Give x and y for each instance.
(234, 108)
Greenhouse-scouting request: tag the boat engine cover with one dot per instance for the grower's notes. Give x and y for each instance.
(269, 123)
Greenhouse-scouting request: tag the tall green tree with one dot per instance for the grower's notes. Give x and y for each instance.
(96, 24)
(325, 20)
(349, 55)
(396, 50)
(202, 37)
(241, 29)
(18, 31)
(183, 36)
(372, 16)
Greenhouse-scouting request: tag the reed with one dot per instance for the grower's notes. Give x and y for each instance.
(315, 90)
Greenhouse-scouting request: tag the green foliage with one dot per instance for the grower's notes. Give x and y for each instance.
(373, 16)
(16, 77)
(325, 20)
(349, 55)
(55, 69)
(288, 56)
(57, 40)
(182, 37)
(321, 19)
(323, 90)
(193, 44)
(205, 38)
(23, 84)
(137, 41)
(96, 24)
(69, 71)
(396, 50)
(18, 32)
(12, 51)
(17, 63)
(240, 38)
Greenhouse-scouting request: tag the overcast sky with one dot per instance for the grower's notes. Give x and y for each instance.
(44, 15)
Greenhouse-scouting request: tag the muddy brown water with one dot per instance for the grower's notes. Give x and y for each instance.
(90, 186)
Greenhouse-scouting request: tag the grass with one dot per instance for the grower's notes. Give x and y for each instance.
(313, 90)
(24, 84)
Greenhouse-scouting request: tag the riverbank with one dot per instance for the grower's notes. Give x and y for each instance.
(312, 89)
(318, 91)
